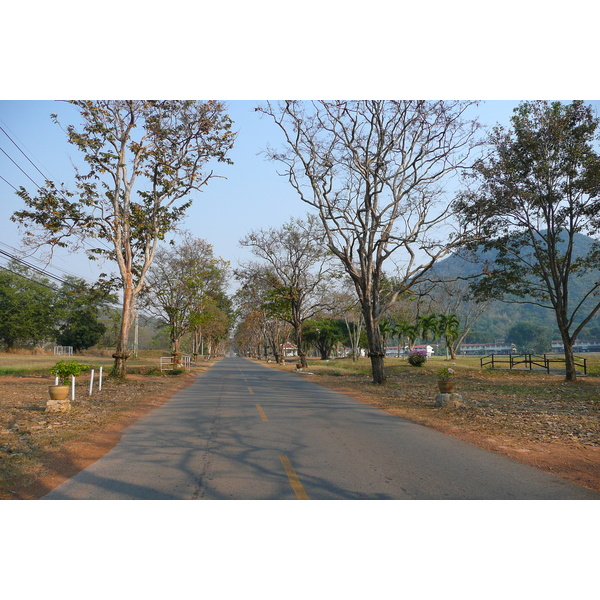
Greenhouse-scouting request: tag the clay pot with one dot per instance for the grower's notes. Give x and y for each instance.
(446, 386)
(58, 392)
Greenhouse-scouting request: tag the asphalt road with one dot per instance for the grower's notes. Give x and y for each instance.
(245, 431)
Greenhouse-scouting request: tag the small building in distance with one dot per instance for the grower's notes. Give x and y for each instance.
(499, 347)
(578, 346)
(289, 350)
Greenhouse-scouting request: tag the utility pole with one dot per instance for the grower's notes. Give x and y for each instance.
(135, 336)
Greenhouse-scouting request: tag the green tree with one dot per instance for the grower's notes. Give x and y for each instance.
(401, 329)
(324, 334)
(530, 338)
(144, 160)
(386, 328)
(428, 327)
(214, 323)
(448, 328)
(78, 312)
(539, 188)
(27, 307)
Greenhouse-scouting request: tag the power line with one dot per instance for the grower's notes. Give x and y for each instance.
(47, 263)
(9, 183)
(23, 153)
(18, 167)
(33, 267)
(28, 278)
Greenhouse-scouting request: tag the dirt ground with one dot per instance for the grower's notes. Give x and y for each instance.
(540, 421)
(40, 450)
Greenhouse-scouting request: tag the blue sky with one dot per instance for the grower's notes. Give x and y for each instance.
(252, 196)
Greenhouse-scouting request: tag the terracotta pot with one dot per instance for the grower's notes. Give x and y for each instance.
(446, 386)
(58, 392)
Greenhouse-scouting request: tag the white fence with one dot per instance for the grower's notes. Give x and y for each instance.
(63, 350)
(168, 362)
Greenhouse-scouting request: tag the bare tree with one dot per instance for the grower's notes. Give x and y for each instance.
(375, 172)
(298, 265)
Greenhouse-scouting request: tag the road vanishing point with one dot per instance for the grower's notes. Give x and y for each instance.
(244, 431)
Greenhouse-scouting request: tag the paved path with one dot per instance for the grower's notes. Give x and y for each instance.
(245, 431)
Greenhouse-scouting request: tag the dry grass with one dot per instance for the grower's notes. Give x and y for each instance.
(39, 363)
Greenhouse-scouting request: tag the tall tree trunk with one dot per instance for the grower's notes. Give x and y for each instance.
(571, 371)
(302, 357)
(299, 342)
(563, 327)
(121, 353)
(176, 350)
(276, 352)
(377, 367)
(376, 347)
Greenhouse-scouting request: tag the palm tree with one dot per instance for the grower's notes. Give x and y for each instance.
(386, 328)
(412, 333)
(427, 325)
(400, 329)
(448, 329)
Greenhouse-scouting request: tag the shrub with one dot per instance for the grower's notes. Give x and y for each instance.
(63, 370)
(176, 371)
(417, 358)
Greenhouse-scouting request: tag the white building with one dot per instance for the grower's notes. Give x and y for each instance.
(393, 350)
(578, 346)
(488, 348)
(289, 350)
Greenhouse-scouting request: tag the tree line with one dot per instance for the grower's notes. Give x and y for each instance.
(379, 175)
(36, 311)
(296, 292)
(392, 188)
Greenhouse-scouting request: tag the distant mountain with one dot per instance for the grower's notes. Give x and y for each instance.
(465, 264)
(495, 323)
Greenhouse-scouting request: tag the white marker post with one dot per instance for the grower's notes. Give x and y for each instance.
(91, 382)
(100, 379)
(72, 388)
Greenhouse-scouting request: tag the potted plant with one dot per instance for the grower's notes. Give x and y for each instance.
(445, 380)
(63, 371)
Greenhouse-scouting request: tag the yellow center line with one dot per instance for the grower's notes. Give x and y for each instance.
(250, 390)
(262, 414)
(293, 478)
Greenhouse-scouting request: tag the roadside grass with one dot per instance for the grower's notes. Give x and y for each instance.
(503, 389)
(464, 366)
(38, 365)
